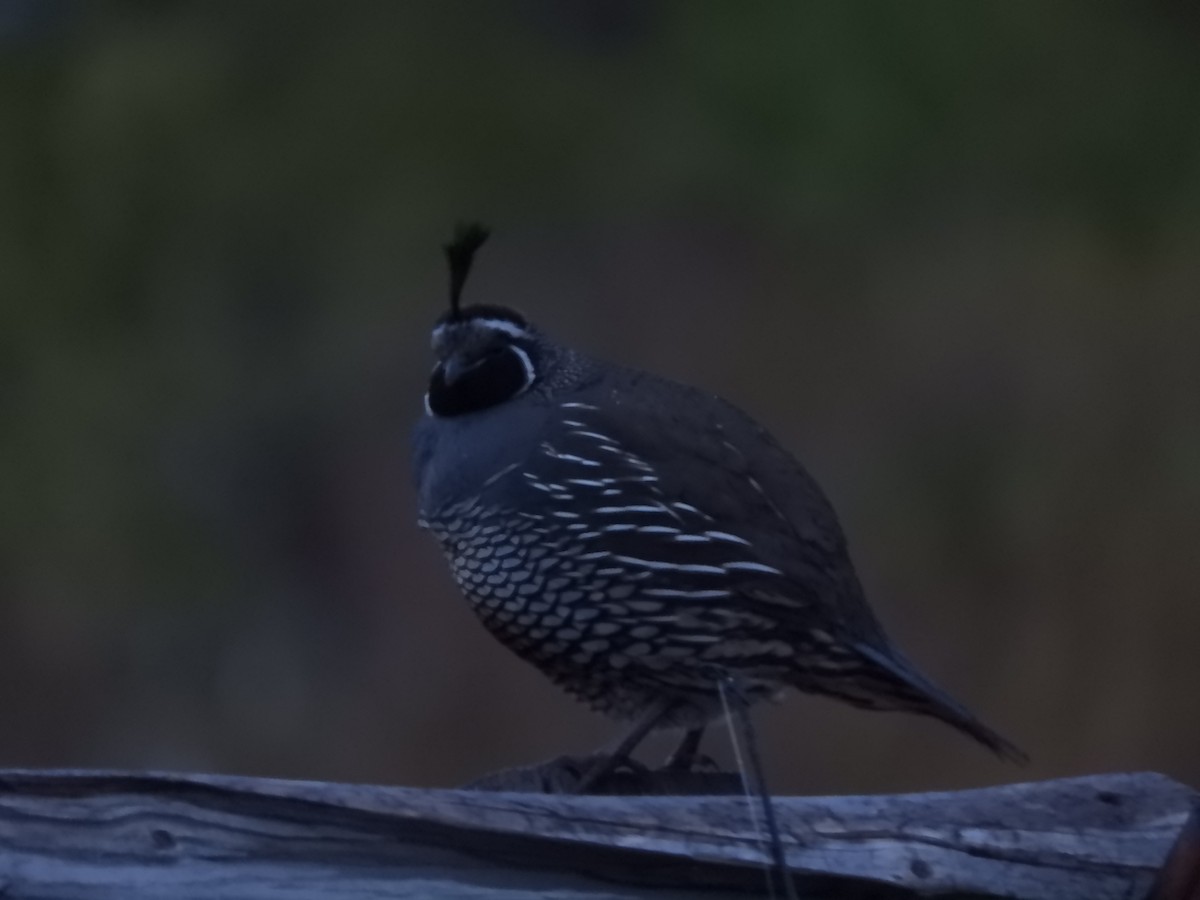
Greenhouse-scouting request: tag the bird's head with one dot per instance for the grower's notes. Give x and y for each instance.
(486, 355)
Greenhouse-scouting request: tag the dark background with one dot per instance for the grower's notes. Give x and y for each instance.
(947, 252)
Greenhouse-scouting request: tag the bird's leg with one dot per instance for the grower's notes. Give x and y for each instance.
(686, 754)
(607, 764)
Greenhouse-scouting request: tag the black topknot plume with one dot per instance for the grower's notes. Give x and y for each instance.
(460, 252)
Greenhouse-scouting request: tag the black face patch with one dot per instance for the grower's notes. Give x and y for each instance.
(497, 377)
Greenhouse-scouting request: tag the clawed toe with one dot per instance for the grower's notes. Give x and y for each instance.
(600, 767)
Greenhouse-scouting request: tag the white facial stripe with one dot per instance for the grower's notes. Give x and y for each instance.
(503, 325)
(495, 324)
(530, 374)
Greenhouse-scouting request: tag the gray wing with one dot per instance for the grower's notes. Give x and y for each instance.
(693, 487)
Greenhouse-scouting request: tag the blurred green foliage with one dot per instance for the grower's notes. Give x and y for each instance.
(948, 251)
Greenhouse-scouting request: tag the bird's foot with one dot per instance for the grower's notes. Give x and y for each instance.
(695, 762)
(601, 770)
(586, 775)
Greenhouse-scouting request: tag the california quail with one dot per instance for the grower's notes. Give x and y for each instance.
(638, 540)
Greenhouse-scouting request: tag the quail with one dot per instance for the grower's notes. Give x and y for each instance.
(640, 541)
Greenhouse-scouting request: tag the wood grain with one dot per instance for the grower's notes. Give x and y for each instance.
(88, 835)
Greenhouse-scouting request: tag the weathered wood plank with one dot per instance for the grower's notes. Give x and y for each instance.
(91, 835)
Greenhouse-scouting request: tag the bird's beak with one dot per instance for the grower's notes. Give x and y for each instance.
(452, 370)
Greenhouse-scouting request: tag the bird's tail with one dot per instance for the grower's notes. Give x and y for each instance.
(928, 699)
